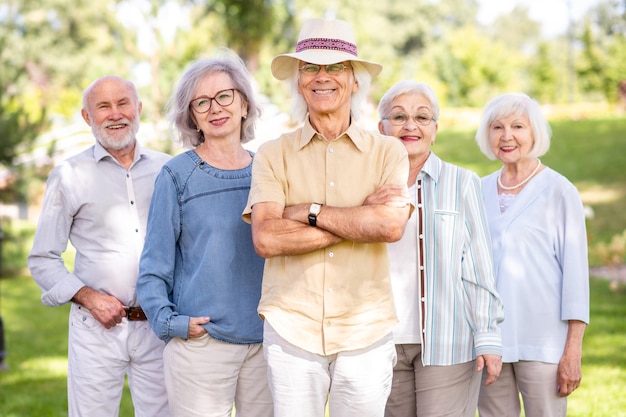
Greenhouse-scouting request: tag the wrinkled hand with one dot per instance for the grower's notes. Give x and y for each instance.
(105, 308)
(195, 326)
(389, 195)
(493, 364)
(568, 375)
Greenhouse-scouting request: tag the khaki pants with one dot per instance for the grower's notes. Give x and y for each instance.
(429, 391)
(536, 381)
(205, 377)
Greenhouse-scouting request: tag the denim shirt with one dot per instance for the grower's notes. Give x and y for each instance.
(198, 258)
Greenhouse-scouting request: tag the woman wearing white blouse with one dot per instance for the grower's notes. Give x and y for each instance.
(537, 227)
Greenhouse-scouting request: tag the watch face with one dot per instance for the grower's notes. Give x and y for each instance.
(315, 209)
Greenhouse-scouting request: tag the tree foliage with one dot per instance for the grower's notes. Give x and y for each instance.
(51, 49)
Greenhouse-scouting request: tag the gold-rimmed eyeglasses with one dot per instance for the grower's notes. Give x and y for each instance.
(331, 69)
(400, 119)
(203, 104)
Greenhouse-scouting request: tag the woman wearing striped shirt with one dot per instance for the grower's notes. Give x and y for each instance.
(441, 272)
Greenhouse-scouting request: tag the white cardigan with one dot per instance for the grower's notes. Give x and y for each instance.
(541, 266)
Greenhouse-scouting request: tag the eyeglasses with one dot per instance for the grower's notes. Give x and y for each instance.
(400, 119)
(203, 104)
(331, 69)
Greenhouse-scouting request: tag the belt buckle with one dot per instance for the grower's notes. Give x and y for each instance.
(135, 314)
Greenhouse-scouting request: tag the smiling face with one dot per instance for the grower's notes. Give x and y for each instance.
(112, 109)
(219, 121)
(511, 138)
(416, 137)
(327, 94)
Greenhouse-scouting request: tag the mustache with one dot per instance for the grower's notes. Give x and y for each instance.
(123, 121)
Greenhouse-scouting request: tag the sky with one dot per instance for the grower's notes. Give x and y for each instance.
(553, 14)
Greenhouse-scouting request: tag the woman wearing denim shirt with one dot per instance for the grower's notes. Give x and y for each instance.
(200, 278)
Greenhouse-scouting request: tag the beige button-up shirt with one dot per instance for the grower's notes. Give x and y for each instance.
(338, 298)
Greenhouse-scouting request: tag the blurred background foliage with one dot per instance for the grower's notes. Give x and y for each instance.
(50, 50)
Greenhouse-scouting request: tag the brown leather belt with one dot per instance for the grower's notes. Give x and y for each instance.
(135, 314)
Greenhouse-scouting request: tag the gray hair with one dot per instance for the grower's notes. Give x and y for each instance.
(515, 104)
(299, 107)
(179, 112)
(410, 87)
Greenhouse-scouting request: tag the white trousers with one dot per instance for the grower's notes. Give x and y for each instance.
(535, 381)
(205, 377)
(355, 383)
(100, 358)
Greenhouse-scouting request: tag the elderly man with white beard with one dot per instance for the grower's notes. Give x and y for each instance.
(98, 200)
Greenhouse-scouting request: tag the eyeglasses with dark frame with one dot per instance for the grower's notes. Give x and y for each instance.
(203, 104)
(400, 119)
(331, 69)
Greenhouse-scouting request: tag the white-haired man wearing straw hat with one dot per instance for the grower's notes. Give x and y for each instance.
(326, 298)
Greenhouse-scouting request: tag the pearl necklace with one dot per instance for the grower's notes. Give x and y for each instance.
(532, 174)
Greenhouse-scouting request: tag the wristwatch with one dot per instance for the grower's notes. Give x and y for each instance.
(314, 210)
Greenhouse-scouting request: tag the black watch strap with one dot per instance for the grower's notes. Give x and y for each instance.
(314, 210)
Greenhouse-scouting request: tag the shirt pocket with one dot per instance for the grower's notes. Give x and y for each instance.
(446, 232)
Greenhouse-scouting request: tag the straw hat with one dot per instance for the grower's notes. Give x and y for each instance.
(322, 42)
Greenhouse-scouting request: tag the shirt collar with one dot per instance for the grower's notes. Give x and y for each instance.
(432, 167)
(353, 133)
(100, 153)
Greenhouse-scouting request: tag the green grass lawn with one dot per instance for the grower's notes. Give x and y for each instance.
(36, 342)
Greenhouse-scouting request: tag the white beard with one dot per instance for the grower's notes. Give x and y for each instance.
(109, 140)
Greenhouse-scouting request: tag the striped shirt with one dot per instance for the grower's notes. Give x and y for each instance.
(454, 310)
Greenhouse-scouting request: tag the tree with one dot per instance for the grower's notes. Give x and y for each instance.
(544, 79)
(471, 75)
(601, 66)
(49, 50)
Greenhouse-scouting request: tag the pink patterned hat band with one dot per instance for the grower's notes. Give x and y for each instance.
(326, 43)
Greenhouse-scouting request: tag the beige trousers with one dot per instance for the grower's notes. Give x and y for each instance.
(431, 391)
(535, 381)
(205, 377)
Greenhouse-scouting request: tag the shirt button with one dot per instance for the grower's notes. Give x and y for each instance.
(419, 205)
(132, 202)
(332, 184)
(331, 150)
(136, 230)
(421, 267)
(422, 236)
(331, 254)
(423, 300)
